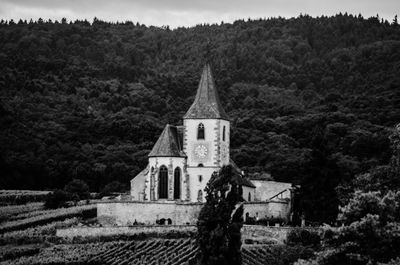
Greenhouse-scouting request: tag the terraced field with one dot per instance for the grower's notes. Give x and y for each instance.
(146, 252)
(152, 252)
(171, 252)
(254, 255)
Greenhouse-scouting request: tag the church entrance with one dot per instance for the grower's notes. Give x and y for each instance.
(163, 183)
(177, 183)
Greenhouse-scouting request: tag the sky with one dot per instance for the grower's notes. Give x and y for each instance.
(176, 13)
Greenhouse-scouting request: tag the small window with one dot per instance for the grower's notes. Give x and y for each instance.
(223, 134)
(200, 165)
(200, 196)
(177, 183)
(200, 178)
(200, 132)
(249, 198)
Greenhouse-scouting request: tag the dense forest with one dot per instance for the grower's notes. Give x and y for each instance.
(311, 100)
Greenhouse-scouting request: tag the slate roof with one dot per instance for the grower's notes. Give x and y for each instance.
(206, 105)
(169, 143)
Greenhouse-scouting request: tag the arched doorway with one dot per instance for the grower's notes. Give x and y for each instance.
(163, 183)
(177, 183)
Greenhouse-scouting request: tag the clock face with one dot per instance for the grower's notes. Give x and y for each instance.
(201, 151)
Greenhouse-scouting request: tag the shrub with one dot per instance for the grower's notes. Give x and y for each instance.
(112, 187)
(56, 199)
(304, 237)
(78, 188)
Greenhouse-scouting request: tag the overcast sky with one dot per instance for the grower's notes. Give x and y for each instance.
(189, 12)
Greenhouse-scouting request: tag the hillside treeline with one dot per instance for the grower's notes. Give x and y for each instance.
(311, 100)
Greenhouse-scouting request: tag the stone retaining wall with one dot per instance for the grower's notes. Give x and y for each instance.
(122, 230)
(257, 233)
(127, 213)
(263, 234)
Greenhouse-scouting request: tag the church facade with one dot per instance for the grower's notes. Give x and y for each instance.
(180, 164)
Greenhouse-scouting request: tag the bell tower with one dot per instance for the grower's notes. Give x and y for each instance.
(206, 134)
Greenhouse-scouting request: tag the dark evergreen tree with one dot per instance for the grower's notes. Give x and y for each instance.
(221, 219)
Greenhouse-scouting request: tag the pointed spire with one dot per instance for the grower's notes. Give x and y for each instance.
(206, 105)
(168, 144)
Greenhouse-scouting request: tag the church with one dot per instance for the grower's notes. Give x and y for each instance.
(184, 157)
(182, 162)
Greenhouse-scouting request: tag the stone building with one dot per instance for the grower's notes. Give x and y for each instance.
(181, 163)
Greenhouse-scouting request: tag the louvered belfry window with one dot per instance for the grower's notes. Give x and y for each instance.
(200, 132)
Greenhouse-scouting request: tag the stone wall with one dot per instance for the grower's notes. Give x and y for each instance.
(266, 189)
(256, 233)
(269, 209)
(125, 213)
(123, 230)
(264, 234)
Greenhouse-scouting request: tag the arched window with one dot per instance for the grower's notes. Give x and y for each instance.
(249, 199)
(223, 134)
(163, 183)
(200, 165)
(200, 196)
(177, 183)
(200, 132)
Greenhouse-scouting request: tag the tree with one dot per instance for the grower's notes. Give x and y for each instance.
(318, 199)
(221, 219)
(78, 189)
(112, 187)
(371, 219)
(56, 199)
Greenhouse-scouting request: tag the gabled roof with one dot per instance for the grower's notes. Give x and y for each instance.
(206, 105)
(169, 143)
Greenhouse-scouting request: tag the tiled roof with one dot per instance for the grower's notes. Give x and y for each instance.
(206, 105)
(169, 143)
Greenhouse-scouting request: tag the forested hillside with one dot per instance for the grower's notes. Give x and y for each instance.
(312, 100)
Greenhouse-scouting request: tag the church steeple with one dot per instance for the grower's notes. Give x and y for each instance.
(206, 104)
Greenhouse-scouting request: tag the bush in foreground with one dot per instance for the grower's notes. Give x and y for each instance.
(56, 199)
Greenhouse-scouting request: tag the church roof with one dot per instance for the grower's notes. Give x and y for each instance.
(206, 105)
(169, 143)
